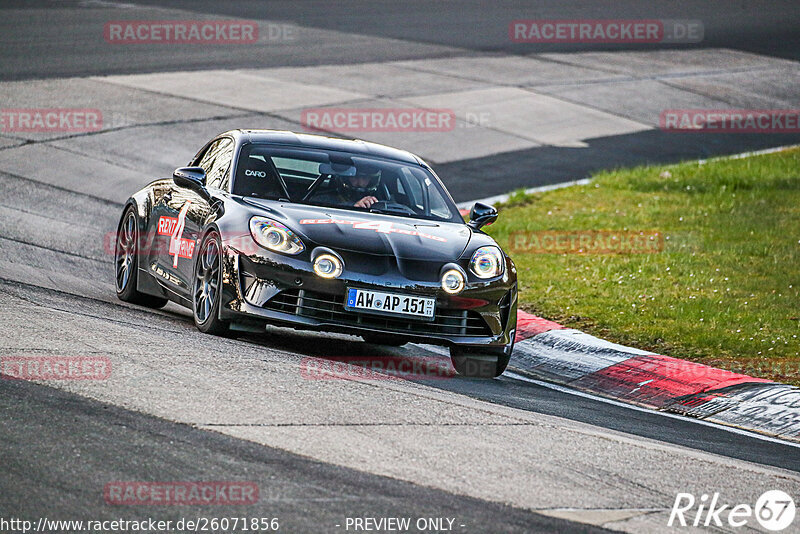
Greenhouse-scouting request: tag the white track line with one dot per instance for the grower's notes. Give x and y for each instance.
(749, 154)
(505, 196)
(734, 430)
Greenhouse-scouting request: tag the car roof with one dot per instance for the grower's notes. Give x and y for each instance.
(355, 146)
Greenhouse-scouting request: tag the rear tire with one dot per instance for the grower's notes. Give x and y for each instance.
(126, 263)
(384, 339)
(480, 363)
(207, 287)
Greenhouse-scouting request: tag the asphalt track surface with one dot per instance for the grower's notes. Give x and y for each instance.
(94, 443)
(498, 456)
(43, 40)
(66, 41)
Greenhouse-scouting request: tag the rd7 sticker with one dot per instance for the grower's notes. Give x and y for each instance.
(179, 247)
(382, 227)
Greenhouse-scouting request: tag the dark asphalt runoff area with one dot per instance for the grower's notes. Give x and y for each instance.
(59, 451)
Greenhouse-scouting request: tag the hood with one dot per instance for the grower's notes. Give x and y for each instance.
(370, 233)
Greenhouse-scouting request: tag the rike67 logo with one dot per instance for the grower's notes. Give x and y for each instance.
(774, 511)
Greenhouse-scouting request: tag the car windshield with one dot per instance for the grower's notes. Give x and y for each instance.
(341, 180)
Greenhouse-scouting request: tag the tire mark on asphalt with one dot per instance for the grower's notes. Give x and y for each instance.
(63, 189)
(44, 216)
(246, 112)
(66, 253)
(138, 125)
(148, 313)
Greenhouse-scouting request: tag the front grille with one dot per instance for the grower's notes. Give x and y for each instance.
(330, 308)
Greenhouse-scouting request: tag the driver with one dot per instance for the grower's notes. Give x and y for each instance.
(357, 190)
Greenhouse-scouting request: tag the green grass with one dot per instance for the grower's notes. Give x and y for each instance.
(724, 291)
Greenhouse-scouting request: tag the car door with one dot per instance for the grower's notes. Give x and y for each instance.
(217, 164)
(181, 214)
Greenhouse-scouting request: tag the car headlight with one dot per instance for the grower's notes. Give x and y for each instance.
(274, 236)
(328, 266)
(453, 281)
(487, 262)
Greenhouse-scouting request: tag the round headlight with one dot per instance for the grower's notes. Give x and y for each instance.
(275, 238)
(328, 266)
(273, 235)
(487, 262)
(453, 281)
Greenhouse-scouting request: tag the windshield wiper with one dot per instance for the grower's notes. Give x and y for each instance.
(391, 208)
(390, 211)
(266, 197)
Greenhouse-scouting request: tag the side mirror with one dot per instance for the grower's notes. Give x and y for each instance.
(481, 215)
(193, 178)
(190, 177)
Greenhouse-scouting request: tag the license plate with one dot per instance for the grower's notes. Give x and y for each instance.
(391, 303)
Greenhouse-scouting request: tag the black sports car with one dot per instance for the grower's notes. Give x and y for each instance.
(320, 233)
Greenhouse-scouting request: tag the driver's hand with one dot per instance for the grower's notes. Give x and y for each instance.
(365, 202)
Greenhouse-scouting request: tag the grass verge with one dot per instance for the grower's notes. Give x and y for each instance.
(724, 289)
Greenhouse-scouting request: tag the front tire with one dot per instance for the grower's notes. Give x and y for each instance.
(481, 363)
(384, 339)
(126, 263)
(207, 287)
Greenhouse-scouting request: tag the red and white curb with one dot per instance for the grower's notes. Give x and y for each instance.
(553, 353)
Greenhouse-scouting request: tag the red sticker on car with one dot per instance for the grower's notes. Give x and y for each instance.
(179, 247)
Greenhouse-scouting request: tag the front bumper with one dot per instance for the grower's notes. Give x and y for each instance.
(281, 290)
